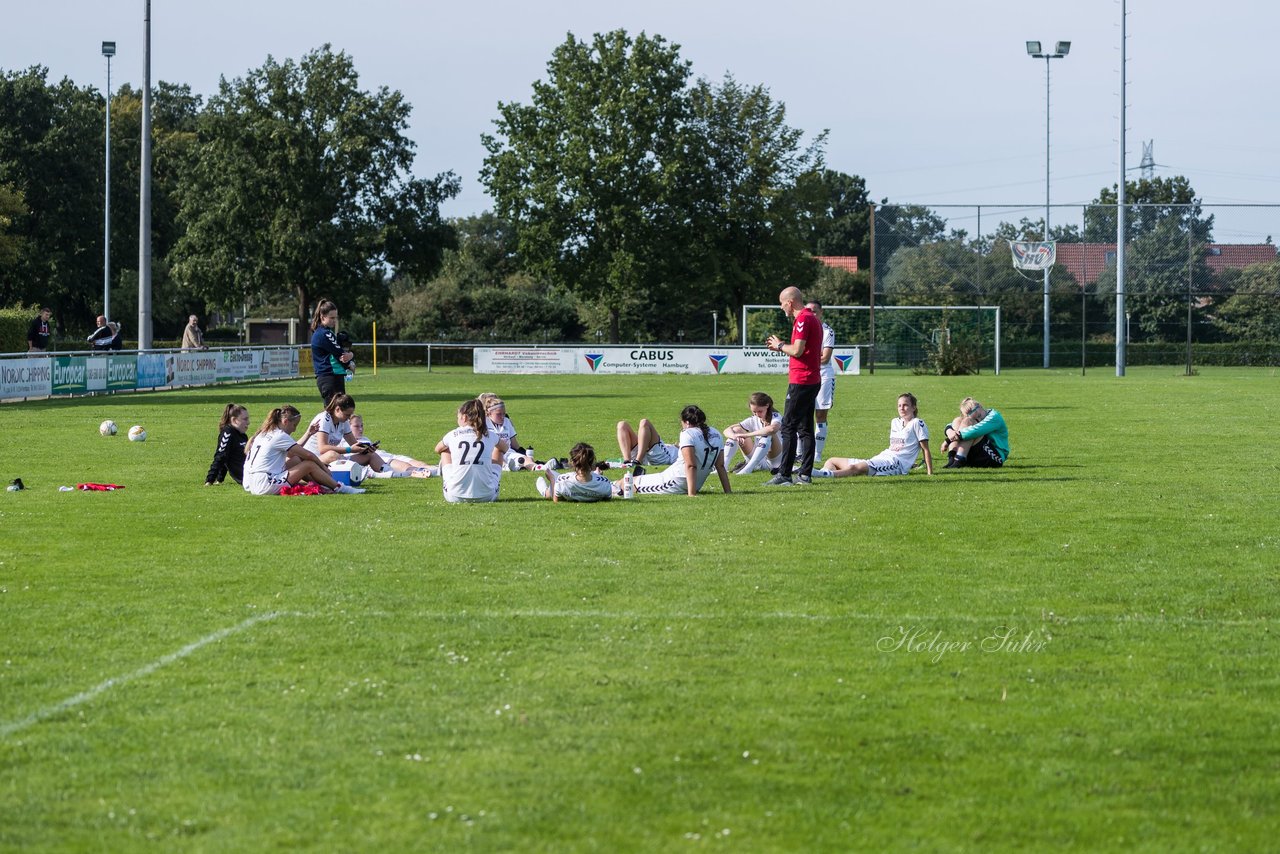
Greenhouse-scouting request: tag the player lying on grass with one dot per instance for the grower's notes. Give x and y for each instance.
(908, 438)
(516, 457)
(978, 438)
(329, 435)
(393, 465)
(699, 450)
(757, 437)
(228, 454)
(471, 457)
(275, 460)
(584, 483)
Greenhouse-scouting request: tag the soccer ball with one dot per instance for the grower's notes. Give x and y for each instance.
(107, 428)
(358, 473)
(137, 434)
(515, 463)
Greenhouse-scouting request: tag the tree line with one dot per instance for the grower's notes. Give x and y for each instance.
(632, 200)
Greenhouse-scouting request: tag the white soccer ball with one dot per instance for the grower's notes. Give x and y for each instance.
(107, 428)
(137, 434)
(515, 463)
(358, 473)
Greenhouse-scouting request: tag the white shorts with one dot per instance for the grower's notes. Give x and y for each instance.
(885, 464)
(264, 484)
(826, 393)
(661, 454)
(453, 500)
(659, 484)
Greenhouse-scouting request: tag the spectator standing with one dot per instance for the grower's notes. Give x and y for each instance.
(102, 336)
(192, 337)
(804, 382)
(39, 330)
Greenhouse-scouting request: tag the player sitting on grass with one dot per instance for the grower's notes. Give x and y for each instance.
(471, 457)
(756, 437)
(908, 438)
(329, 435)
(978, 438)
(228, 455)
(275, 461)
(699, 450)
(394, 465)
(584, 483)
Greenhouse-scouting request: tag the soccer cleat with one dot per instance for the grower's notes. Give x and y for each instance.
(542, 485)
(955, 463)
(739, 467)
(779, 480)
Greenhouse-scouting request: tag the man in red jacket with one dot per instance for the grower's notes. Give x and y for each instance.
(805, 380)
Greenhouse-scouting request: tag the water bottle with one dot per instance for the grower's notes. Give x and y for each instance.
(628, 486)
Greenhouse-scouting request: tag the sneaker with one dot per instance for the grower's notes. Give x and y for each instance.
(804, 480)
(955, 463)
(542, 485)
(739, 467)
(349, 490)
(779, 480)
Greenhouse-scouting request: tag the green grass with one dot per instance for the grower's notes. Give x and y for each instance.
(660, 674)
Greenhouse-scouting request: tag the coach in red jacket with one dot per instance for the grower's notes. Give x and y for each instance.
(805, 379)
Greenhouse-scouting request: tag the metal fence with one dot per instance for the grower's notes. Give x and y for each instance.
(1202, 282)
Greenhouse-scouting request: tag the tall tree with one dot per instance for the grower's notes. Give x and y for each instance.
(750, 209)
(51, 153)
(844, 226)
(589, 172)
(301, 186)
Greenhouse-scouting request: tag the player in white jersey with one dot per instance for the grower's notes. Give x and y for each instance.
(641, 445)
(329, 435)
(516, 457)
(274, 460)
(584, 483)
(393, 465)
(701, 450)
(908, 438)
(470, 457)
(827, 391)
(758, 437)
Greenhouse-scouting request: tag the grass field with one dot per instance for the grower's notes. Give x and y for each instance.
(1077, 652)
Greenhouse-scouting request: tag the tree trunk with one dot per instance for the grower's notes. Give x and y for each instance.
(304, 307)
(613, 326)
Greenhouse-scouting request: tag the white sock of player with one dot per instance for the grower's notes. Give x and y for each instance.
(757, 459)
(823, 473)
(730, 451)
(819, 441)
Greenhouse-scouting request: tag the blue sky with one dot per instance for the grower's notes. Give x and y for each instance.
(931, 102)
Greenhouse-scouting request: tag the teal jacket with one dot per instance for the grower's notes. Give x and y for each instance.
(993, 425)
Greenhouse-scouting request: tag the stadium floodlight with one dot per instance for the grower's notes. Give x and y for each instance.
(108, 50)
(1061, 49)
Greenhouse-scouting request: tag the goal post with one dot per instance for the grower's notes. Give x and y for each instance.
(897, 333)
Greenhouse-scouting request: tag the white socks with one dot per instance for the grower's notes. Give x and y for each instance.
(349, 490)
(819, 441)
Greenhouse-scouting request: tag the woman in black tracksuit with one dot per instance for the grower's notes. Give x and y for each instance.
(228, 456)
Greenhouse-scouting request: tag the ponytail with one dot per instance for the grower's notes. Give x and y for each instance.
(342, 401)
(277, 417)
(695, 417)
(472, 412)
(233, 410)
(323, 307)
(583, 459)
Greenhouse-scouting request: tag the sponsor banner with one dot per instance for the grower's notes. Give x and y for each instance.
(95, 377)
(235, 365)
(152, 370)
(26, 377)
(660, 360)
(281, 363)
(122, 373)
(524, 360)
(69, 373)
(195, 368)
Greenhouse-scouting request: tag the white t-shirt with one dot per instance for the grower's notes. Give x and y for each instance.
(471, 476)
(568, 487)
(265, 469)
(672, 481)
(828, 370)
(752, 423)
(904, 447)
(324, 423)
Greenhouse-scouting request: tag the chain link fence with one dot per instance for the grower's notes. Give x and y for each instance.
(1190, 298)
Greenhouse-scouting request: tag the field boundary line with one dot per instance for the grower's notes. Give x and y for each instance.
(8, 729)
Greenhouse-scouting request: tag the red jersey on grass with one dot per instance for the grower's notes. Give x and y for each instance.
(807, 369)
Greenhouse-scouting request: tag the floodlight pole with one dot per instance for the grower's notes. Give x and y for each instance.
(1061, 49)
(144, 194)
(1122, 323)
(108, 50)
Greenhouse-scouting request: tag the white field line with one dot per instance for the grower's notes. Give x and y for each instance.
(12, 727)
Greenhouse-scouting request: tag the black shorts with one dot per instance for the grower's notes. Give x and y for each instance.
(983, 455)
(329, 385)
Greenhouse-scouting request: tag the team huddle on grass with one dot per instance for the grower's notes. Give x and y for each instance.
(334, 454)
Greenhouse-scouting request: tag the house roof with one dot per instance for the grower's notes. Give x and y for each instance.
(1086, 261)
(840, 262)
